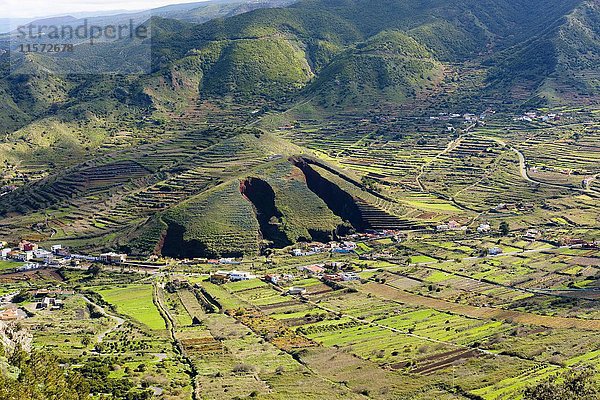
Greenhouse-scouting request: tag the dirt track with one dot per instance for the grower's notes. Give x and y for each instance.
(390, 293)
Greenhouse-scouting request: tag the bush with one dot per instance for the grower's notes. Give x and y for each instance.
(242, 369)
(573, 385)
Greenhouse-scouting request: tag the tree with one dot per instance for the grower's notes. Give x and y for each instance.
(41, 377)
(573, 385)
(504, 228)
(21, 297)
(94, 270)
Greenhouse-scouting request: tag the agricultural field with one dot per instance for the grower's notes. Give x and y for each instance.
(136, 302)
(97, 329)
(390, 329)
(9, 265)
(383, 199)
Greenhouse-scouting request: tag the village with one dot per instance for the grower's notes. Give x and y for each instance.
(331, 263)
(313, 295)
(28, 255)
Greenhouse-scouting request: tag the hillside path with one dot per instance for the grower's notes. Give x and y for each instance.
(451, 146)
(388, 292)
(120, 321)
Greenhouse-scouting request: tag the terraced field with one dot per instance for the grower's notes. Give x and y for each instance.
(393, 158)
(303, 215)
(389, 329)
(135, 301)
(217, 223)
(231, 359)
(481, 312)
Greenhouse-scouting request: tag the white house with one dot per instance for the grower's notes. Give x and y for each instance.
(230, 261)
(28, 267)
(24, 256)
(5, 252)
(111, 258)
(350, 276)
(301, 253)
(484, 228)
(296, 291)
(494, 251)
(240, 276)
(41, 253)
(531, 235)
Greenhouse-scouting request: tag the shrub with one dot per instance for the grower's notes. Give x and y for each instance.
(242, 368)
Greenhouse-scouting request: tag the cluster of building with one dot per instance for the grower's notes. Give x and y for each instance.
(584, 244)
(223, 261)
(309, 251)
(372, 234)
(44, 299)
(203, 260)
(278, 279)
(508, 207)
(50, 299)
(532, 116)
(25, 252)
(333, 272)
(49, 303)
(344, 247)
(466, 117)
(112, 258)
(450, 226)
(36, 257)
(221, 277)
(348, 244)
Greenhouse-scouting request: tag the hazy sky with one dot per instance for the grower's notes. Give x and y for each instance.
(41, 8)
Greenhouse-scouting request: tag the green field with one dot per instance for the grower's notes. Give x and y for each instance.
(9, 265)
(421, 259)
(135, 301)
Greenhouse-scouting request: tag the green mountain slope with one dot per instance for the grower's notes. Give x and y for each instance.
(136, 155)
(268, 65)
(390, 66)
(28, 95)
(559, 64)
(272, 51)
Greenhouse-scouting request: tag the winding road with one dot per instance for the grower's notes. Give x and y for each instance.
(120, 321)
(451, 146)
(524, 171)
(525, 174)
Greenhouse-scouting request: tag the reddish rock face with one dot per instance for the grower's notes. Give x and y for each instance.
(262, 197)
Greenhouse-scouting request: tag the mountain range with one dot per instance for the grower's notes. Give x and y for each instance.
(252, 58)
